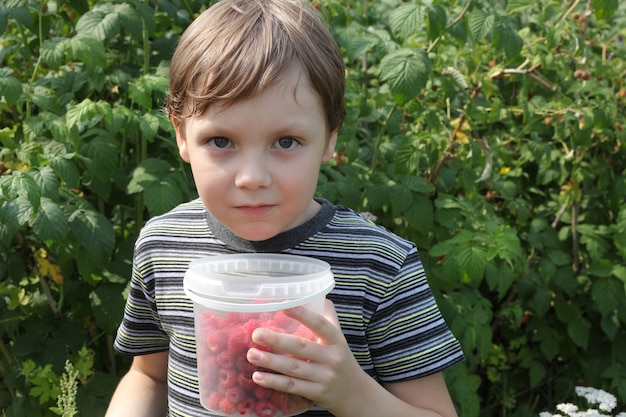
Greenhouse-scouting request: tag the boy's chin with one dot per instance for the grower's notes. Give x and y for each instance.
(254, 234)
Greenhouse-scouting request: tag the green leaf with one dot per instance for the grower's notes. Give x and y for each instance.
(417, 184)
(130, 20)
(420, 214)
(53, 52)
(49, 222)
(149, 125)
(579, 331)
(406, 71)
(471, 260)
(163, 195)
(10, 86)
(101, 153)
(107, 304)
(102, 22)
(65, 168)
(8, 221)
(406, 20)
(604, 9)
(607, 293)
(505, 38)
(148, 172)
(516, 6)
(83, 114)
(437, 20)
(480, 24)
(21, 184)
(47, 182)
(139, 95)
(94, 232)
(401, 199)
(405, 159)
(88, 49)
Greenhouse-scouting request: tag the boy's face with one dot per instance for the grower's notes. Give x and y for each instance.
(256, 162)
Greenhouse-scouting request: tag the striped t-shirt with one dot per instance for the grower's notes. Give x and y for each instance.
(384, 303)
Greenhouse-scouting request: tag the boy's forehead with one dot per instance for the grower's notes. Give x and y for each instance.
(291, 85)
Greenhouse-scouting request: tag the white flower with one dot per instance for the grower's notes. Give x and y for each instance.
(567, 408)
(605, 401)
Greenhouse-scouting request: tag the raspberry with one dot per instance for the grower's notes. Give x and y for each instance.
(238, 341)
(226, 359)
(265, 408)
(227, 377)
(217, 341)
(242, 364)
(262, 393)
(235, 395)
(214, 400)
(227, 407)
(249, 326)
(280, 399)
(246, 407)
(244, 380)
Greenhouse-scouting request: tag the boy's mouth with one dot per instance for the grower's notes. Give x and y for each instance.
(256, 210)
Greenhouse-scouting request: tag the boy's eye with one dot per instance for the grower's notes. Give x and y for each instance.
(219, 142)
(286, 143)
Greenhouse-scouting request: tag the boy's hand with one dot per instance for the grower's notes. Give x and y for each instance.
(325, 372)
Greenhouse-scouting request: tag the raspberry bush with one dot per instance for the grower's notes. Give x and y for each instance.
(491, 133)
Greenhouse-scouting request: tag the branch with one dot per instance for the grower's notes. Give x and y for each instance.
(432, 178)
(527, 72)
(454, 22)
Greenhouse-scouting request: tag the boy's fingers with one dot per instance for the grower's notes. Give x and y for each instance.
(326, 327)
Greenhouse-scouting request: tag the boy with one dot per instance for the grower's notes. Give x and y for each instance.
(256, 99)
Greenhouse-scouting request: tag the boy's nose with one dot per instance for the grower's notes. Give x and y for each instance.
(253, 173)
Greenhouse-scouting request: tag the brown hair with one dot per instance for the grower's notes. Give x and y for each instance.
(237, 48)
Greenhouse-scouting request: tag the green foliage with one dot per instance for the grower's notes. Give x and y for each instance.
(488, 132)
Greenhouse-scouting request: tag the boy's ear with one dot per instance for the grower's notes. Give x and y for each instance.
(180, 140)
(329, 152)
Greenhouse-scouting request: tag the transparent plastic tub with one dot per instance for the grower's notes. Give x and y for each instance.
(235, 294)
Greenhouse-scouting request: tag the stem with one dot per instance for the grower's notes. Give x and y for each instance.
(575, 245)
(454, 22)
(49, 298)
(432, 178)
(379, 137)
(527, 72)
(146, 48)
(567, 13)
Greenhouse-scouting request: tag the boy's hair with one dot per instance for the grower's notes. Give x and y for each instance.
(237, 48)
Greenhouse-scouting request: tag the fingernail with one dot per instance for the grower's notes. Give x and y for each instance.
(254, 355)
(259, 335)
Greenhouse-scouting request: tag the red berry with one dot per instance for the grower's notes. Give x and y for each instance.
(265, 409)
(227, 407)
(226, 359)
(217, 340)
(246, 407)
(214, 400)
(227, 377)
(244, 380)
(262, 393)
(279, 398)
(235, 395)
(238, 341)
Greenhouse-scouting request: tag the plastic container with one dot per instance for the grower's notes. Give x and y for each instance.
(233, 295)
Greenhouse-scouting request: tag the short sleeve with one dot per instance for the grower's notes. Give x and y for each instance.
(408, 336)
(141, 332)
